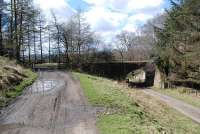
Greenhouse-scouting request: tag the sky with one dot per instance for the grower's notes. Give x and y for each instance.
(107, 17)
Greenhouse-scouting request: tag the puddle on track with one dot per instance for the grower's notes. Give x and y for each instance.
(43, 86)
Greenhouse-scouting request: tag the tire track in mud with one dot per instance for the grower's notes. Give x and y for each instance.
(31, 115)
(56, 108)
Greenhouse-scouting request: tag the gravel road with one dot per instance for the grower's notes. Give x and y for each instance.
(188, 110)
(54, 104)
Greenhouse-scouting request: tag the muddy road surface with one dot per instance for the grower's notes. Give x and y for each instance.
(54, 104)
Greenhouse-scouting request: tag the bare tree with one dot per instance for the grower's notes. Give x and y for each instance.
(123, 42)
(57, 35)
(83, 33)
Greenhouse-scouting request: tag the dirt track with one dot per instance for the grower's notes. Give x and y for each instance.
(188, 110)
(62, 109)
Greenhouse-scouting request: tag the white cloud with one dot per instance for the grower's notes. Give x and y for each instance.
(103, 19)
(109, 16)
(140, 17)
(128, 5)
(133, 21)
(142, 4)
(130, 27)
(60, 7)
(51, 4)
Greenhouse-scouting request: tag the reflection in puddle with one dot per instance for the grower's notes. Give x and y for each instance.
(43, 85)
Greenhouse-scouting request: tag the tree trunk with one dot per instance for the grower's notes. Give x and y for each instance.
(35, 53)
(49, 47)
(11, 29)
(58, 41)
(1, 32)
(23, 55)
(41, 48)
(21, 35)
(29, 47)
(16, 32)
(66, 49)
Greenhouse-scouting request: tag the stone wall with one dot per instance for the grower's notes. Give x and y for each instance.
(158, 79)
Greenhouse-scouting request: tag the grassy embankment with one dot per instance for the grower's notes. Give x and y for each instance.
(184, 94)
(13, 80)
(131, 111)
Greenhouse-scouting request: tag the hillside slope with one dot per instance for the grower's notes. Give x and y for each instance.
(13, 79)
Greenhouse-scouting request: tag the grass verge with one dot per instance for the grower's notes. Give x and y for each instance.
(7, 95)
(131, 111)
(183, 95)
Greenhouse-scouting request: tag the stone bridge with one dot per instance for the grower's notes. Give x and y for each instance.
(119, 70)
(114, 70)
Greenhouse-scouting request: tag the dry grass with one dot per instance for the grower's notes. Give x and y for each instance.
(13, 79)
(172, 121)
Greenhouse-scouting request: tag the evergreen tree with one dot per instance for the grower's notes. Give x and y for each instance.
(178, 44)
